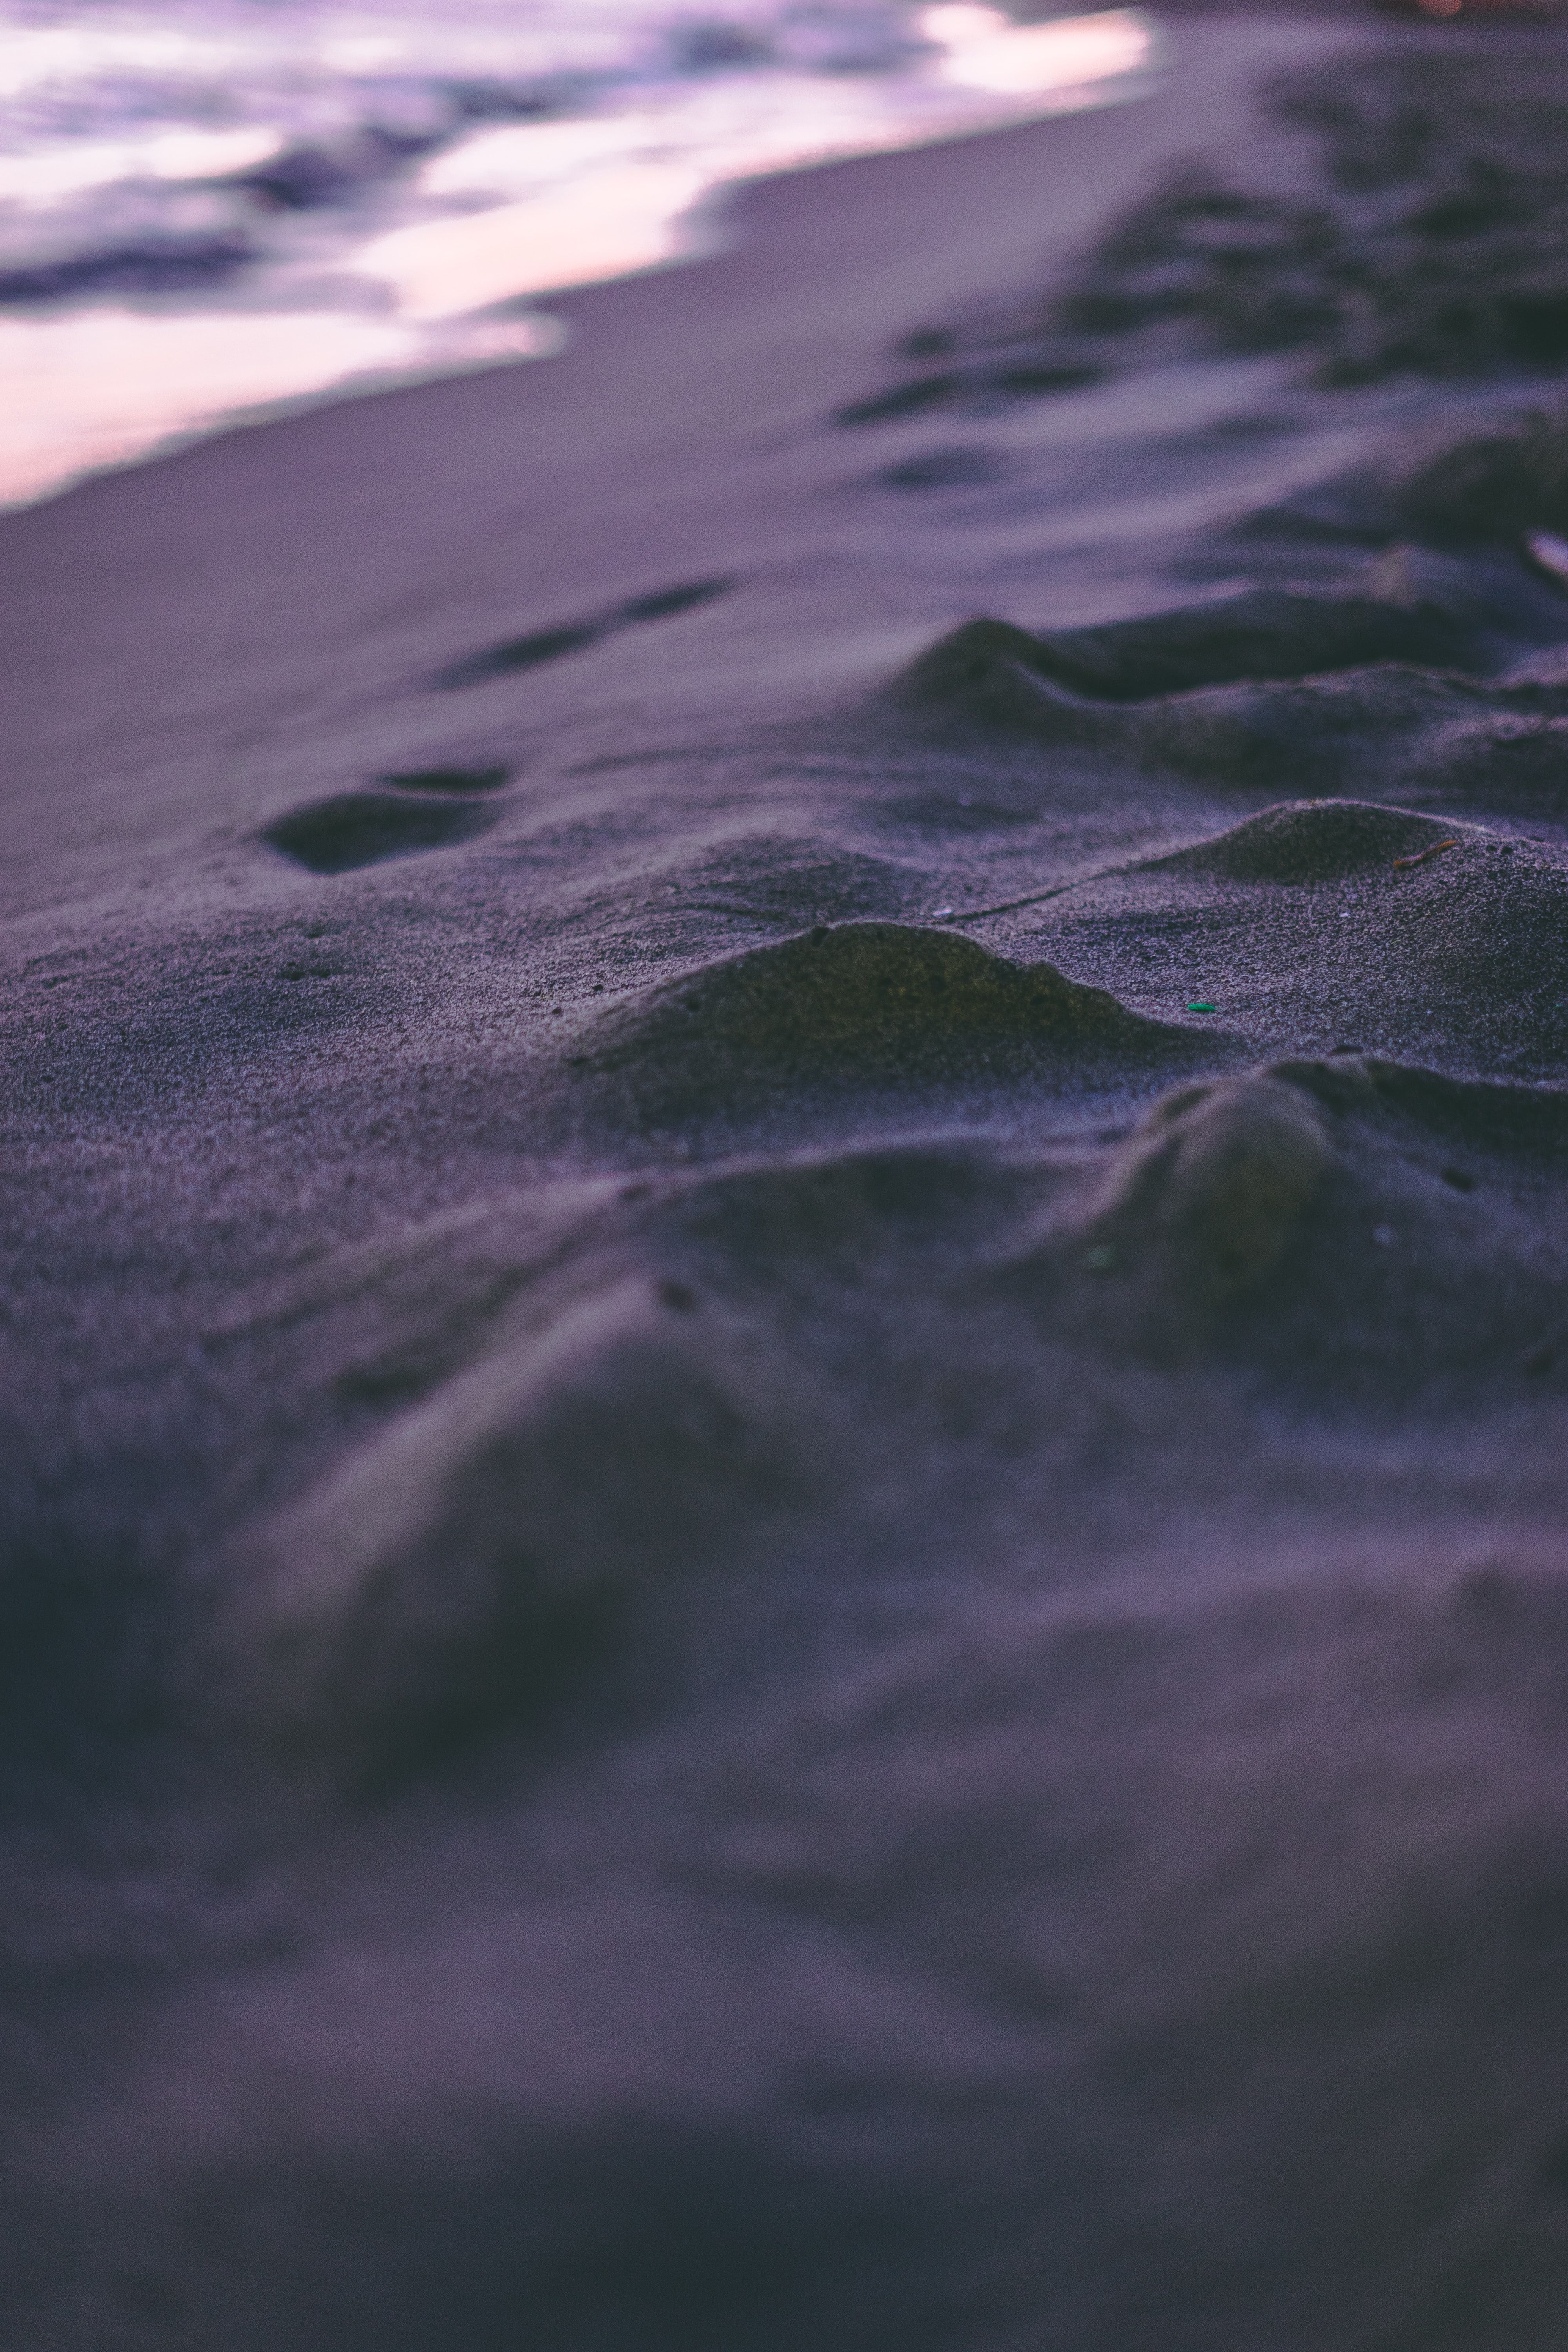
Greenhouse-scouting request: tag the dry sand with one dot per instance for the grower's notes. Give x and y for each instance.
(786, 1311)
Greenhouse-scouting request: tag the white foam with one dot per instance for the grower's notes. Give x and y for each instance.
(393, 270)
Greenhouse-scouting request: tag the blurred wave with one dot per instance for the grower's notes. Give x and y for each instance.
(208, 206)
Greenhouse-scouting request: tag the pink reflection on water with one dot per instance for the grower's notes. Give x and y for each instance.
(507, 213)
(535, 207)
(98, 388)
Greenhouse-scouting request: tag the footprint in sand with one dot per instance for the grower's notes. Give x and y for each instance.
(352, 829)
(956, 469)
(976, 384)
(553, 643)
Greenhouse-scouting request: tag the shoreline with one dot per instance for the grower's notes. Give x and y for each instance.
(458, 291)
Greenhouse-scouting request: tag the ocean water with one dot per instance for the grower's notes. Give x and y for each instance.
(208, 207)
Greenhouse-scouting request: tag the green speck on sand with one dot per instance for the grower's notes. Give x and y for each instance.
(1203, 1005)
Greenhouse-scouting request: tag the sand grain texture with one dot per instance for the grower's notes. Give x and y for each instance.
(785, 1329)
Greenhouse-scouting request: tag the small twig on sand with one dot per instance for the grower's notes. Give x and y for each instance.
(1010, 905)
(1437, 850)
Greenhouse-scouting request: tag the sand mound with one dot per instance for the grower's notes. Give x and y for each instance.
(457, 1572)
(985, 673)
(1263, 633)
(1432, 1264)
(1508, 1127)
(1364, 730)
(1384, 929)
(876, 1005)
(1476, 937)
(1512, 761)
(1356, 1233)
(1208, 1192)
(1366, 727)
(1311, 841)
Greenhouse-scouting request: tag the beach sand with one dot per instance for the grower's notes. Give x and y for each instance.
(785, 1318)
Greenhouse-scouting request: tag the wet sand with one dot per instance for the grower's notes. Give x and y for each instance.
(786, 1305)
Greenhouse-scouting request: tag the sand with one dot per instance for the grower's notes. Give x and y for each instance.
(786, 1307)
